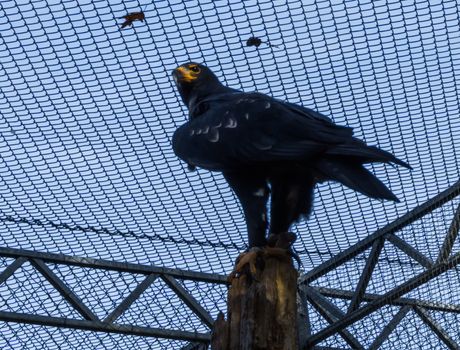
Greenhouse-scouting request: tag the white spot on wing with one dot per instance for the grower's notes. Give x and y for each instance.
(245, 99)
(205, 130)
(260, 192)
(213, 135)
(264, 218)
(192, 132)
(267, 105)
(246, 115)
(231, 123)
(198, 131)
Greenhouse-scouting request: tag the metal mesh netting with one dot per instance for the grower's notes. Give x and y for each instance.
(87, 169)
(393, 268)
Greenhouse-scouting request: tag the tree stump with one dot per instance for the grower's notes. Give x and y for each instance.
(262, 308)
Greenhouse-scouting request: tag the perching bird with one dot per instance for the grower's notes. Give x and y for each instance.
(263, 145)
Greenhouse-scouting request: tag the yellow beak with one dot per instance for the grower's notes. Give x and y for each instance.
(185, 74)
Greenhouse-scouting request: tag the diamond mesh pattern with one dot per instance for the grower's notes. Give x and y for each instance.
(87, 169)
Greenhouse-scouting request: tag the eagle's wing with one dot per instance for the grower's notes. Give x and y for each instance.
(306, 112)
(237, 129)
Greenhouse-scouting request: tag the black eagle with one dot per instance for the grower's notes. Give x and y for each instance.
(264, 147)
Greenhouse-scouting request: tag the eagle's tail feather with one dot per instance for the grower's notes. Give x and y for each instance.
(355, 176)
(359, 151)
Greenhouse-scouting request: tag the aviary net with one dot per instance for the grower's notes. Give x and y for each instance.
(87, 114)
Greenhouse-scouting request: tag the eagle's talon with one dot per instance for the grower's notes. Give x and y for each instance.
(248, 258)
(284, 241)
(250, 262)
(281, 240)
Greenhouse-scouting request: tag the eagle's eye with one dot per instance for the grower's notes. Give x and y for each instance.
(195, 68)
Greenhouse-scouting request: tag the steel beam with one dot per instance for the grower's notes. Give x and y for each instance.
(189, 300)
(450, 237)
(331, 313)
(390, 327)
(409, 250)
(392, 227)
(113, 265)
(436, 328)
(98, 326)
(64, 290)
(366, 274)
(303, 318)
(429, 305)
(131, 298)
(11, 269)
(386, 298)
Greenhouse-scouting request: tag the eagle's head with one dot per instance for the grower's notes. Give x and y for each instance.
(191, 73)
(194, 82)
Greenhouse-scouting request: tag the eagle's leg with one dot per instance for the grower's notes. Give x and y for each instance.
(252, 191)
(292, 199)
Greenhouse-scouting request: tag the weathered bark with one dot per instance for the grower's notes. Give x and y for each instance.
(262, 306)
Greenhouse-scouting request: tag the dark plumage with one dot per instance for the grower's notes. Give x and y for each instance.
(263, 146)
(131, 17)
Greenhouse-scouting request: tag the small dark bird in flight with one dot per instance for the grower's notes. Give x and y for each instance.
(131, 17)
(264, 147)
(255, 41)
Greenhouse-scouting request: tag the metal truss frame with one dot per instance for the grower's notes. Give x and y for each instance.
(339, 320)
(309, 295)
(90, 321)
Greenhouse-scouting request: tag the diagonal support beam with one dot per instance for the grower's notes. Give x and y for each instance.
(403, 221)
(315, 297)
(189, 300)
(65, 291)
(366, 274)
(126, 303)
(409, 250)
(386, 298)
(11, 269)
(331, 313)
(450, 237)
(429, 305)
(390, 327)
(436, 328)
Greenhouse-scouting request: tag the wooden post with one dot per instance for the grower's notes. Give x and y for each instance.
(262, 308)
